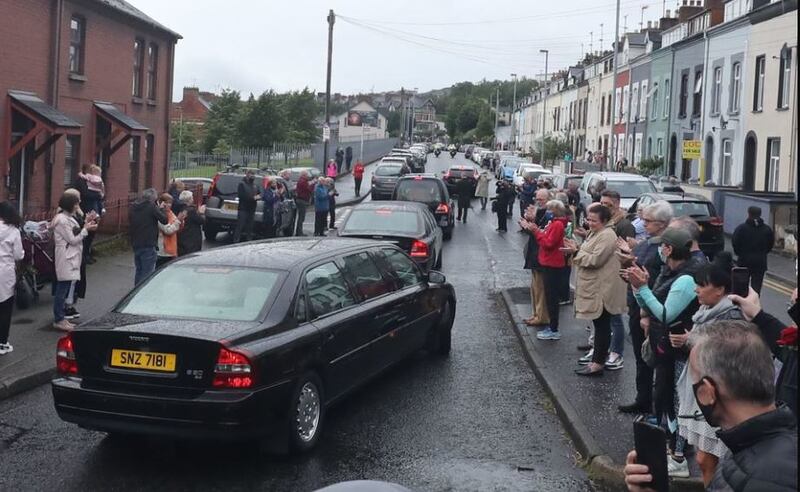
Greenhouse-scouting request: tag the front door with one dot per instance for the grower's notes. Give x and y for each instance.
(750, 148)
(21, 174)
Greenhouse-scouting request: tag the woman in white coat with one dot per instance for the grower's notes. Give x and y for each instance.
(482, 189)
(10, 253)
(68, 237)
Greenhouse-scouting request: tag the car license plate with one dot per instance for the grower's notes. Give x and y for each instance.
(135, 359)
(230, 206)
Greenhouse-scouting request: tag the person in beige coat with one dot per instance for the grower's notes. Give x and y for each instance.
(68, 237)
(599, 291)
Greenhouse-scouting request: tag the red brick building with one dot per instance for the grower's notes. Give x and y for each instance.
(194, 106)
(82, 81)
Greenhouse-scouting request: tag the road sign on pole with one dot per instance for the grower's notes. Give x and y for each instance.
(326, 133)
(691, 149)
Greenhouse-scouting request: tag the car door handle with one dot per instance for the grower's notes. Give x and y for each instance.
(400, 319)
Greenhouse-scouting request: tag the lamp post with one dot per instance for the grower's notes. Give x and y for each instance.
(544, 105)
(614, 92)
(513, 110)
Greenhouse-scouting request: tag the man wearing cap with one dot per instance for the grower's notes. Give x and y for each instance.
(246, 212)
(752, 242)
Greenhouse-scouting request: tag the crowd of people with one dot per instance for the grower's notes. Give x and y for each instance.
(712, 369)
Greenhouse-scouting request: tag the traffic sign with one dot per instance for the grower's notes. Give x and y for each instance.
(326, 133)
(691, 149)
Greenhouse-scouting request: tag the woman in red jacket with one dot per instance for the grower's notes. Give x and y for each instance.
(552, 261)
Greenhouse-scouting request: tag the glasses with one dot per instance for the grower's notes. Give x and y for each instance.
(650, 221)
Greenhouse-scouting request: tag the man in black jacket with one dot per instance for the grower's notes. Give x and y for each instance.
(246, 214)
(752, 241)
(732, 373)
(144, 217)
(348, 157)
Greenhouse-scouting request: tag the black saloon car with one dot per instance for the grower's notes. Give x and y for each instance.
(251, 341)
(409, 225)
(712, 238)
(430, 190)
(456, 173)
(386, 175)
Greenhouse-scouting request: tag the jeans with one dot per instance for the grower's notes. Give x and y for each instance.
(464, 211)
(301, 216)
(644, 373)
(358, 186)
(319, 222)
(553, 277)
(602, 338)
(332, 214)
(269, 223)
(245, 220)
(145, 262)
(6, 307)
(502, 219)
(757, 280)
(62, 288)
(617, 334)
(483, 202)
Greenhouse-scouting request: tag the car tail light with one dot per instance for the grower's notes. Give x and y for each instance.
(716, 221)
(213, 187)
(232, 370)
(419, 249)
(66, 365)
(443, 208)
(447, 175)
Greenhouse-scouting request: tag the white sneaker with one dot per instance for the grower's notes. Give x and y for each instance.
(614, 362)
(64, 325)
(586, 359)
(5, 348)
(677, 468)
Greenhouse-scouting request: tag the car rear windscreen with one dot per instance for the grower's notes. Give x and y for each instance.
(419, 190)
(462, 173)
(631, 189)
(228, 184)
(382, 221)
(388, 170)
(207, 292)
(691, 209)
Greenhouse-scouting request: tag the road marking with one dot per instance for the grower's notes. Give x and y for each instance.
(781, 288)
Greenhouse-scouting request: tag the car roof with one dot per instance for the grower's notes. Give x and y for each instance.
(392, 160)
(619, 176)
(419, 176)
(392, 204)
(302, 168)
(679, 197)
(278, 254)
(188, 178)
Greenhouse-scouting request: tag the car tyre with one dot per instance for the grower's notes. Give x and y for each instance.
(306, 413)
(440, 339)
(210, 231)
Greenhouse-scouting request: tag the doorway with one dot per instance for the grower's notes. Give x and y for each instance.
(750, 152)
(709, 164)
(673, 151)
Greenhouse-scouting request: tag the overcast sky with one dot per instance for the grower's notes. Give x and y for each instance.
(255, 45)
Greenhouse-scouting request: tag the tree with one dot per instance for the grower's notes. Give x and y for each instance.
(222, 118)
(262, 121)
(485, 127)
(555, 149)
(185, 137)
(393, 123)
(300, 109)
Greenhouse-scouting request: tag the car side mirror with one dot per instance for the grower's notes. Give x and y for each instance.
(436, 277)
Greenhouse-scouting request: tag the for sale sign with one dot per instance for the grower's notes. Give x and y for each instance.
(691, 149)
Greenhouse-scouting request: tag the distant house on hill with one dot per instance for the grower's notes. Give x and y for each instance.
(194, 106)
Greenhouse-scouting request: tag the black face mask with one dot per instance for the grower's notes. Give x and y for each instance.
(706, 410)
(250, 179)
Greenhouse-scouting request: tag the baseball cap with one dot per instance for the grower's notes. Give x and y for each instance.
(677, 238)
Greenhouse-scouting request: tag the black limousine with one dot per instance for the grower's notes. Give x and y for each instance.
(251, 341)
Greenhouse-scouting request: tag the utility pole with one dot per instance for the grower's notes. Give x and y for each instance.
(496, 115)
(601, 39)
(513, 110)
(331, 20)
(403, 113)
(591, 44)
(641, 20)
(614, 85)
(544, 105)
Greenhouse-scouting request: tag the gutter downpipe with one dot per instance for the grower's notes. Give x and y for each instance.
(614, 91)
(701, 169)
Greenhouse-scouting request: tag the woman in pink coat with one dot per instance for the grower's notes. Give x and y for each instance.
(330, 170)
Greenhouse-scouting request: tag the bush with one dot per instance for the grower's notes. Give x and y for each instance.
(650, 165)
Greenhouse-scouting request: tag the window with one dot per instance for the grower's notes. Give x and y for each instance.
(654, 104)
(602, 109)
(773, 163)
(697, 98)
(642, 113)
(327, 291)
(403, 268)
(634, 116)
(660, 147)
(667, 90)
(727, 161)
(77, 43)
(138, 65)
(716, 95)
(608, 110)
(623, 110)
(152, 68)
(785, 78)
(736, 87)
(149, 144)
(366, 277)
(134, 164)
(684, 96)
(72, 152)
(758, 94)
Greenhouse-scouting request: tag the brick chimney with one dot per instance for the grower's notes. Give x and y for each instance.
(688, 9)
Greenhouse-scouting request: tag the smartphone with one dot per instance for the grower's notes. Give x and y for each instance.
(651, 450)
(740, 281)
(676, 329)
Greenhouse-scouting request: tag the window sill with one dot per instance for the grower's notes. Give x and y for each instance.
(151, 102)
(757, 111)
(733, 113)
(782, 109)
(76, 77)
(137, 100)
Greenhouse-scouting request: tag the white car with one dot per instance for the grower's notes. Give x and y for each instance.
(535, 169)
(629, 186)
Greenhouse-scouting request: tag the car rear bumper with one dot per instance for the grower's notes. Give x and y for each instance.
(233, 414)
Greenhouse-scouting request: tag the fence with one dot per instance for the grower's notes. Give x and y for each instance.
(278, 156)
(114, 221)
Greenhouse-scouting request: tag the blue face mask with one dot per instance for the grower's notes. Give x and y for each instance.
(662, 255)
(548, 215)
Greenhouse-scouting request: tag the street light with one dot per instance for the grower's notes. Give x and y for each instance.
(513, 109)
(544, 104)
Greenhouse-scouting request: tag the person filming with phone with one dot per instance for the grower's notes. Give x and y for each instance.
(732, 376)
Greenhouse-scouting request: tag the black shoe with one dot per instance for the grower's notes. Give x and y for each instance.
(585, 371)
(71, 313)
(634, 407)
(584, 348)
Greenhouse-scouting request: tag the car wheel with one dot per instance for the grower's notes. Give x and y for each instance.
(440, 339)
(306, 413)
(210, 231)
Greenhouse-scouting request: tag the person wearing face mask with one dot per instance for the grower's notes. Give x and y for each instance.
(731, 371)
(270, 198)
(246, 213)
(713, 286)
(670, 305)
(752, 242)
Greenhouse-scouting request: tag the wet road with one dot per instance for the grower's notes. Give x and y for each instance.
(475, 421)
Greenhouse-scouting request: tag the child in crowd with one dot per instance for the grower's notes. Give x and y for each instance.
(96, 189)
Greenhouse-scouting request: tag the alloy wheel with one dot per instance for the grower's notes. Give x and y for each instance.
(307, 412)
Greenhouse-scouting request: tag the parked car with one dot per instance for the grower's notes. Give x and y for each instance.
(222, 205)
(526, 168)
(257, 340)
(294, 174)
(432, 191)
(456, 173)
(385, 176)
(468, 151)
(198, 184)
(413, 160)
(506, 167)
(562, 181)
(629, 186)
(699, 208)
(409, 225)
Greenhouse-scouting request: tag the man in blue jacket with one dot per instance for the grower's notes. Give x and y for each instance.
(321, 205)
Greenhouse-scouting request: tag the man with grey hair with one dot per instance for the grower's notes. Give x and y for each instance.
(732, 372)
(144, 216)
(689, 225)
